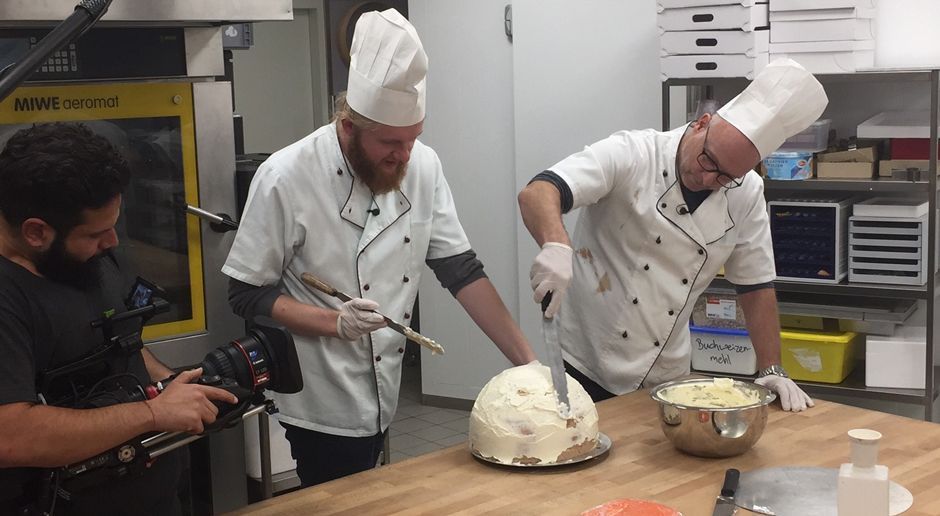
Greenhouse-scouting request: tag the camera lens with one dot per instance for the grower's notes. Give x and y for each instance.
(244, 360)
(265, 358)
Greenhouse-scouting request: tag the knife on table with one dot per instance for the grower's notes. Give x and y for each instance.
(724, 504)
(555, 361)
(328, 289)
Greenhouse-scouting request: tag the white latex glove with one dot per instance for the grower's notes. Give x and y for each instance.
(357, 317)
(791, 396)
(551, 272)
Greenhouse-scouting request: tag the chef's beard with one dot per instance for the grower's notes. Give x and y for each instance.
(58, 265)
(378, 181)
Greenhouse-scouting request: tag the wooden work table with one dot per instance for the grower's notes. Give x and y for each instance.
(641, 464)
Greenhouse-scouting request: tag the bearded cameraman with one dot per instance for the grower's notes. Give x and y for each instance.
(60, 198)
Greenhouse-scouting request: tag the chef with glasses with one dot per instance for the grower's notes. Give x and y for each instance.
(661, 214)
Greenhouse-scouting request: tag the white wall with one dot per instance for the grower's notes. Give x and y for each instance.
(469, 123)
(580, 74)
(280, 80)
(498, 113)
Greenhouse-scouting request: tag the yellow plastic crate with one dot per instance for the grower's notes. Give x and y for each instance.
(826, 357)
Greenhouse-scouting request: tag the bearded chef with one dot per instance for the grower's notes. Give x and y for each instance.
(662, 212)
(364, 205)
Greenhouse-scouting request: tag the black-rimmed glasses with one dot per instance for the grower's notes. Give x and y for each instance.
(708, 164)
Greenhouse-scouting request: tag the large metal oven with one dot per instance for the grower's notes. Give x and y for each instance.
(147, 79)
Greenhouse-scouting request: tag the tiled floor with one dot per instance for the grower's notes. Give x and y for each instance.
(418, 429)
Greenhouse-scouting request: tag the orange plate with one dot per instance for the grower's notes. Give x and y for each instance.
(631, 507)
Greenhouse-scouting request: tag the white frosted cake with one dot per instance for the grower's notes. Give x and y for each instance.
(515, 419)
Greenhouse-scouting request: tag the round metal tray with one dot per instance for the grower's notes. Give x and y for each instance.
(603, 445)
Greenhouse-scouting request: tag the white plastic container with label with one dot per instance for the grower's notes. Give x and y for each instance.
(722, 350)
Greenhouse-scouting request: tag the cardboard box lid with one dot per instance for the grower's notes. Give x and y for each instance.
(863, 155)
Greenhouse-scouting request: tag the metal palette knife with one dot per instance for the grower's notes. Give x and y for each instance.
(328, 289)
(555, 361)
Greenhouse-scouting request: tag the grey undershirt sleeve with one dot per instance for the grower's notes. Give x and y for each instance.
(744, 289)
(248, 300)
(458, 271)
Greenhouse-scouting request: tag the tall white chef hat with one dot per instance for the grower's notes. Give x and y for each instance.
(781, 101)
(387, 70)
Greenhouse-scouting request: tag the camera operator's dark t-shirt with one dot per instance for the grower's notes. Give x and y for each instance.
(44, 324)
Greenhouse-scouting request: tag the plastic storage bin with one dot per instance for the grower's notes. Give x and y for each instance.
(814, 138)
(826, 357)
(789, 166)
(722, 350)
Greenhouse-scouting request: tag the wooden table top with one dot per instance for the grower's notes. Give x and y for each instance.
(641, 464)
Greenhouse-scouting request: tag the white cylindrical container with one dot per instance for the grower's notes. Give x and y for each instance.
(863, 484)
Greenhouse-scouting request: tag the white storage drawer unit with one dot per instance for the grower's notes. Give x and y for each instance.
(822, 57)
(888, 250)
(729, 65)
(822, 30)
(715, 42)
(806, 5)
(676, 4)
(714, 17)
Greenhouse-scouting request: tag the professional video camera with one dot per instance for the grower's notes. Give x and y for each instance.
(264, 359)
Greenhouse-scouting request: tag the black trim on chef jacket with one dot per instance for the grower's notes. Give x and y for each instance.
(567, 198)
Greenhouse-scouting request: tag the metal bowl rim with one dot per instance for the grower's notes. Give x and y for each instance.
(768, 397)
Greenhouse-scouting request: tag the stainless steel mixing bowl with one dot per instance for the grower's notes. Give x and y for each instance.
(713, 432)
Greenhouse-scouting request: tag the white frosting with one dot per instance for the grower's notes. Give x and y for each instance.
(515, 418)
(720, 393)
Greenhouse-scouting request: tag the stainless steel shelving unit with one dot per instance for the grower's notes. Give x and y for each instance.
(854, 385)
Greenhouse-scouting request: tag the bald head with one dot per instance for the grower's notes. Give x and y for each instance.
(712, 143)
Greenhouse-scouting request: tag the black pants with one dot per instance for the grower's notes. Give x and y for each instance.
(596, 392)
(323, 457)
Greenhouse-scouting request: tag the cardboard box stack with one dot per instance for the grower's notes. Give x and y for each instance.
(825, 36)
(712, 38)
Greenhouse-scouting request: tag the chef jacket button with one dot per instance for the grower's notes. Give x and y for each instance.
(401, 350)
(636, 300)
(624, 334)
(339, 171)
(701, 251)
(646, 267)
(671, 312)
(659, 240)
(685, 281)
(656, 343)
(365, 287)
(407, 316)
(663, 205)
(405, 279)
(683, 211)
(665, 173)
(407, 240)
(378, 358)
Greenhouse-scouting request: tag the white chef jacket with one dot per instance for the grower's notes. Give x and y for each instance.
(641, 260)
(306, 212)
